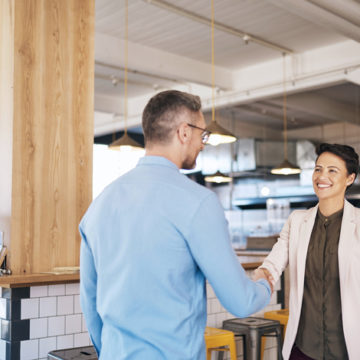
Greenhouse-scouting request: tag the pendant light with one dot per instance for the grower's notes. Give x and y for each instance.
(218, 178)
(286, 167)
(218, 135)
(125, 142)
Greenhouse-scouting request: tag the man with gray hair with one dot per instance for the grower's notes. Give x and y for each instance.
(150, 241)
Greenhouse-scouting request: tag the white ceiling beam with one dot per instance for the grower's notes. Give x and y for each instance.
(319, 106)
(109, 104)
(110, 50)
(323, 16)
(340, 132)
(115, 123)
(323, 67)
(315, 65)
(258, 109)
(354, 77)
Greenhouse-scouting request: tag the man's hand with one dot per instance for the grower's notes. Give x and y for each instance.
(264, 274)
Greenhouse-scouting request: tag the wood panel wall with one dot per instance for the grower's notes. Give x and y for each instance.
(52, 131)
(6, 113)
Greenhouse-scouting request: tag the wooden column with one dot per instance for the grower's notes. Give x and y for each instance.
(6, 113)
(52, 131)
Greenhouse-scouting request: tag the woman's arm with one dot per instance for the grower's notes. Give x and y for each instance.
(278, 259)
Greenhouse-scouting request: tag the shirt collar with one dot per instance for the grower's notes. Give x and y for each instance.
(156, 160)
(332, 217)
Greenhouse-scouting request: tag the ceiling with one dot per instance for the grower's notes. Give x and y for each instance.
(169, 47)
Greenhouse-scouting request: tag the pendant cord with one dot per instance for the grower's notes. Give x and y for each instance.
(126, 67)
(212, 62)
(284, 107)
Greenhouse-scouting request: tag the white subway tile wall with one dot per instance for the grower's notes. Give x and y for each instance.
(77, 308)
(65, 342)
(38, 291)
(73, 324)
(29, 308)
(2, 349)
(47, 306)
(65, 305)
(56, 321)
(3, 308)
(29, 349)
(38, 328)
(56, 325)
(72, 289)
(81, 339)
(57, 290)
(46, 345)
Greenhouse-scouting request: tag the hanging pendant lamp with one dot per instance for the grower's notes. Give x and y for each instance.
(125, 142)
(218, 135)
(218, 178)
(286, 167)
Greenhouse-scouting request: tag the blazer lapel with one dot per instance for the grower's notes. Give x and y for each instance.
(303, 243)
(347, 240)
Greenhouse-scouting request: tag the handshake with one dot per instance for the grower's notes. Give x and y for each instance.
(262, 273)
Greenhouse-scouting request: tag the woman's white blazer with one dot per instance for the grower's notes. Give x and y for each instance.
(291, 249)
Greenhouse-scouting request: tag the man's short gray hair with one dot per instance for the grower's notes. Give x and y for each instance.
(159, 118)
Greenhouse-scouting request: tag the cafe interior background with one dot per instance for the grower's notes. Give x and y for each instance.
(281, 75)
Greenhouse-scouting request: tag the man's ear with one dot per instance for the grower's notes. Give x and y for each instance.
(184, 133)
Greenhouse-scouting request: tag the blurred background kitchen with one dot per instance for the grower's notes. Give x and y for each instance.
(279, 75)
(283, 72)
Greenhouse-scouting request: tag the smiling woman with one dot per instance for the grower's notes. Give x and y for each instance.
(320, 245)
(335, 171)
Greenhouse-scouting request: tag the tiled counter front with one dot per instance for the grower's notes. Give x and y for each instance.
(217, 314)
(39, 319)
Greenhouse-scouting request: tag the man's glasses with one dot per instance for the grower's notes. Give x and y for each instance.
(205, 133)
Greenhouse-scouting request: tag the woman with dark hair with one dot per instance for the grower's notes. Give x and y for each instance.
(321, 245)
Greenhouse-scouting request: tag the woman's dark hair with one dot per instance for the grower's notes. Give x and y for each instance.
(345, 152)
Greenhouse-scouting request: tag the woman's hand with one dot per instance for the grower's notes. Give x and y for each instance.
(261, 273)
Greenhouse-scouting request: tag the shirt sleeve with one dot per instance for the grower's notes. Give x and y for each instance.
(210, 245)
(88, 280)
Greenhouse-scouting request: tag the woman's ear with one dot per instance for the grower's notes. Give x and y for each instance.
(350, 179)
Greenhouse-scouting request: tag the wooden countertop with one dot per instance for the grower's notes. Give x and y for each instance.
(251, 260)
(15, 281)
(248, 260)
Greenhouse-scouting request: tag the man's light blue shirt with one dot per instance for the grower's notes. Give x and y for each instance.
(149, 241)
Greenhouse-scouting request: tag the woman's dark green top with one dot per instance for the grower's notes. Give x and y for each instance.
(320, 333)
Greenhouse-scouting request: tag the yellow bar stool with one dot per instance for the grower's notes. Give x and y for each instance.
(216, 339)
(280, 315)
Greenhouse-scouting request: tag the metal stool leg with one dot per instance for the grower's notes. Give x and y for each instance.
(258, 345)
(279, 343)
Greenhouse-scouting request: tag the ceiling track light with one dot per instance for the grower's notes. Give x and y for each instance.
(219, 26)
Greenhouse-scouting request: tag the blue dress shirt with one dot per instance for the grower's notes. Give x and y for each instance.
(149, 240)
